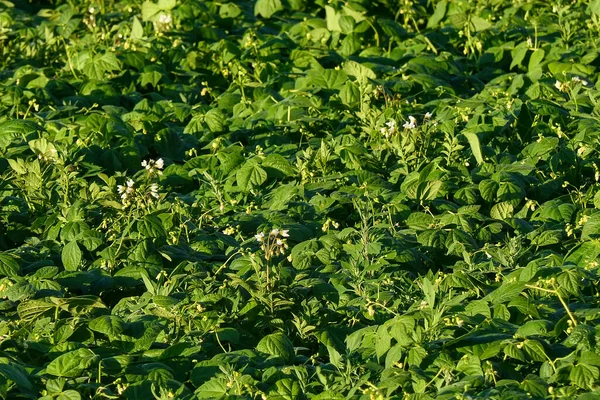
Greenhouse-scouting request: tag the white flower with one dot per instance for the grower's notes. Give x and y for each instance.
(559, 85)
(260, 237)
(154, 190)
(126, 191)
(285, 233)
(91, 10)
(411, 123)
(165, 19)
(428, 115)
(154, 166)
(274, 232)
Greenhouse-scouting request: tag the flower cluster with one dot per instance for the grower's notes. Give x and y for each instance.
(126, 191)
(389, 129)
(275, 243)
(411, 123)
(154, 166)
(163, 23)
(154, 190)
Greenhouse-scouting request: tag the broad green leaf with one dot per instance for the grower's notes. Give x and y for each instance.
(534, 350)
(151, 226)
(502, 211)
(277, 164)
(12, 129)
(534, 67)
(69, 394)
(266, 8)
(33, 309)
(479, 24)
(350, 94)
(475, 145)
(95, 67)
(110, 325)
(277, 344)
(591, 227)
(137, 30)
(438, 14)
(71, 256)
(332, 18)
(9, 266)
(215, 120)
(250, 175)
(18, 375)
(215, 388)
(506, 292)
(359, 71)
(72, 364)
(585, 376)
(151, 9)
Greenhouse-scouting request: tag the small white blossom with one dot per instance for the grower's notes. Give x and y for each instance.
(389, 129)
(285, 233)
(428, 115)
(154, 190)
(260, 237)
(126, 191)
(154, 166)
(274, 232)
(411, 123)
(165, 19)
(560, 86)
(91, 10)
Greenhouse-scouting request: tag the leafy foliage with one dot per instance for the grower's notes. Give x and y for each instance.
(299, 200)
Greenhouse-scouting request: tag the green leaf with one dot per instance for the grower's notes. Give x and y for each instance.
(33, 309)
(150, 9)
(12, 129)
(137, 30)
(266, 8)
(215, 388)
(151, 226)
(69, 395)
(277, 164)
(72, 364)
(359, 71)
(110, 325)
(95, 67)
(277, 344)
(535, 68)
(332, 19)
(250, 175)
(71, 256)
(502, 211)
(215, 120)
(506, 292)
(475, 146)
(350, 94)
(569, 281)
(585, 376)
(591, 228)
(438, 14)
(9, 266)
(383, 341)
(534, 350)
(479, 24)
(17, 375)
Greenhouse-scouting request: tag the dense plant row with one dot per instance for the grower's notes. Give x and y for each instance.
(293, 199)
